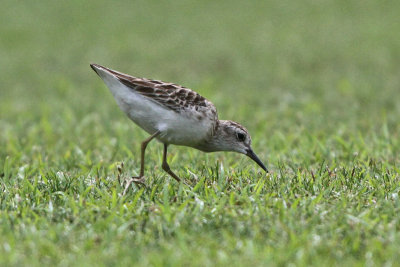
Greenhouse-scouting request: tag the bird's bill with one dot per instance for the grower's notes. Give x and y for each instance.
(254, 157)
(96, 67)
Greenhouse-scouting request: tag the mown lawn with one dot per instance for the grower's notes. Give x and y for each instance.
(317, 84)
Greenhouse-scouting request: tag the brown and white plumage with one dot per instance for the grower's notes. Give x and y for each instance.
(182, 115)
(175, 114)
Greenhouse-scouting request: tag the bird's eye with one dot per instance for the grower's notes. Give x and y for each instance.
(240, 136)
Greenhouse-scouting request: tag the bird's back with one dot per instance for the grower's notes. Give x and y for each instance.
(180, 114)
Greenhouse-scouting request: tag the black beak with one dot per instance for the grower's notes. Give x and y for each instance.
(94, 67)
(254, 157)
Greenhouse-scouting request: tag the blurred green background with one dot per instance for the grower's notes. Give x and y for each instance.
(315, 83)
(319, 59)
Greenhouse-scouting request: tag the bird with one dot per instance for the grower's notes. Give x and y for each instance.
(174, 115)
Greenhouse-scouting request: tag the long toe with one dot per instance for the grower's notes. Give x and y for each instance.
(137, 180)
(185, 183)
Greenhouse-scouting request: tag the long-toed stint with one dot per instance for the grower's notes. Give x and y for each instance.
(176, 115)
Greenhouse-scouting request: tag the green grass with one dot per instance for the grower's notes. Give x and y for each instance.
(315, 82)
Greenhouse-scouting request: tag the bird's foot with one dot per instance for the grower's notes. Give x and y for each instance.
(137, 180)
(188, 185)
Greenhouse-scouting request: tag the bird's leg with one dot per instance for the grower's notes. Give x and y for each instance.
(165, 165)
(140, 179)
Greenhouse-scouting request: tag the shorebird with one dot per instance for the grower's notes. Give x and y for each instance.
(176, 115)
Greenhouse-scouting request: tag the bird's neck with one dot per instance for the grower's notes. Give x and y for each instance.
(215, 141)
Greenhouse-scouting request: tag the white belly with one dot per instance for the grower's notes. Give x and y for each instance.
(176, 128)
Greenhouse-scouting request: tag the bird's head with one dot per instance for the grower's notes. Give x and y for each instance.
(232, 136)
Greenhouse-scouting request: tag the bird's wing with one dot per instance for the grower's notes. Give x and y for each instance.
(169, 95)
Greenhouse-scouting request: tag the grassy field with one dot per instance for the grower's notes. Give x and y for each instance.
(317, 84)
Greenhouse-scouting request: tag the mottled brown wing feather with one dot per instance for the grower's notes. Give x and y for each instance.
(172, 96)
